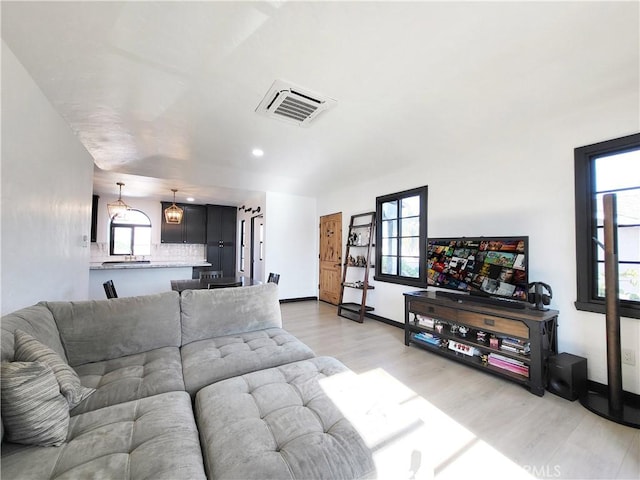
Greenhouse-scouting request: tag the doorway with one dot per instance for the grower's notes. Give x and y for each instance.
(330, 274)
(257, 248)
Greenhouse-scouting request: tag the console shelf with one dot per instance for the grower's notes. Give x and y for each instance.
(511, 343)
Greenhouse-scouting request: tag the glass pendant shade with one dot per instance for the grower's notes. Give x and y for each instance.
(173, 214)
(118, 207)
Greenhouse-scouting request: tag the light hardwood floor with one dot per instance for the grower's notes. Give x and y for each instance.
(429, 417)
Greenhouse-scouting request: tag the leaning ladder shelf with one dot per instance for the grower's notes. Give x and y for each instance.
(360, 240)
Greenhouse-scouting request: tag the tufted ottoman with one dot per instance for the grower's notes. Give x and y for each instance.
(279, 423)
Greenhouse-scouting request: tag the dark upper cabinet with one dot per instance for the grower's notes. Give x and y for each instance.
(94, 218)
(196, 224)
(221, 238)
(193, 228)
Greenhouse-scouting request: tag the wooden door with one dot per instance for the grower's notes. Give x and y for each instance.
(330, 257)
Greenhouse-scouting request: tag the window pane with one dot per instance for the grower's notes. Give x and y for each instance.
(629, 281)
(131, 217)
(628, 206)
(411, 206)
(617, 171)
(410, 247)
(629, 244)
(409, 267)
(142, 241)
(390, 210)
(390, 246)
(122, 241)
(389, 265)
(410, 227)
(389, 228)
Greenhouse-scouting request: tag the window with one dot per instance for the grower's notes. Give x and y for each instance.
(130, 234)
(608, 167)
(401, 237)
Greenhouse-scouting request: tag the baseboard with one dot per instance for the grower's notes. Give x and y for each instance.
(602, 389)
(301, 299)
(373, 316)
(388, 321)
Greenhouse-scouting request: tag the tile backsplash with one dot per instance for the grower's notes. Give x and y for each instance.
(163, 252)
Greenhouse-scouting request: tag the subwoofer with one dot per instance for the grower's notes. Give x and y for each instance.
(567, 376)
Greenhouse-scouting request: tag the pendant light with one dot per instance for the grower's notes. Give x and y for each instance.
(118, 207)
(173, 214)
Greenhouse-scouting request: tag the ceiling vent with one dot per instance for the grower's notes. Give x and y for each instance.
(293, 104)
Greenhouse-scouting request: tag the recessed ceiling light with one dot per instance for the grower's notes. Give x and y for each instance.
(257, 152)
(191, 199)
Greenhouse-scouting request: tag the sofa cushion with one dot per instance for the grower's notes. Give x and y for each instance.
(226, 311)
(38, 322)
(207, 361)
(279, 423)
(155, 437)
(92, 331)
(28, 349)
(131, 378)
(33, 410)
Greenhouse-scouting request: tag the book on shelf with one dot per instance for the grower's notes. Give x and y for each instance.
(507, 363)
(427, 338)
(515, 345)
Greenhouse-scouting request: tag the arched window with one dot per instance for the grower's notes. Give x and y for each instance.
(130, 234)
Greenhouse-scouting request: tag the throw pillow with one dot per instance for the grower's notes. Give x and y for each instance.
(28, 349)
(33, 410)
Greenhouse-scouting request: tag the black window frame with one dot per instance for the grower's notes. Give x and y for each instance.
(132, 226)
(421, 280)
(586, 224)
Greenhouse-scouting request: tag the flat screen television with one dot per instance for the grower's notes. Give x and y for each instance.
(494, 267)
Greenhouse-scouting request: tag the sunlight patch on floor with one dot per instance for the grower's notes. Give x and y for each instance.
(411, 438)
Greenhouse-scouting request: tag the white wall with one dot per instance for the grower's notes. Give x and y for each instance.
(515, 181)
(46, 197)
(291, 244)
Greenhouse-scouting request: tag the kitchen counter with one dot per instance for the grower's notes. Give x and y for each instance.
(136, 265)
(132, 279)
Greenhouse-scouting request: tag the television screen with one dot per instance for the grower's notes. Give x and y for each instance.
(488, 266)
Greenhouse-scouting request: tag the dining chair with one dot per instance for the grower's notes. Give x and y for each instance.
(110, 289)
(273, 278)
(207, 274)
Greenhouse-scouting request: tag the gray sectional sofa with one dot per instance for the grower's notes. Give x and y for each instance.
(203, 384)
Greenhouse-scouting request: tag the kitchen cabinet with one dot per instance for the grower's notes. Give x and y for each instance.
(221, 238)
(193, 228)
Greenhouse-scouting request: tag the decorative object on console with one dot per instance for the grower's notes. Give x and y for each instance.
(118, 207)
(538, 295)
(174, 213)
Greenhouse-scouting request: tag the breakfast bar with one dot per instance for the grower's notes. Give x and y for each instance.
(133, 278)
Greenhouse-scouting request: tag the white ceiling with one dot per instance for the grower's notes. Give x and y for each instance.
(163, 95)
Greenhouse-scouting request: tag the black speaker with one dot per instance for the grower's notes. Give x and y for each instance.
(567, 376)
